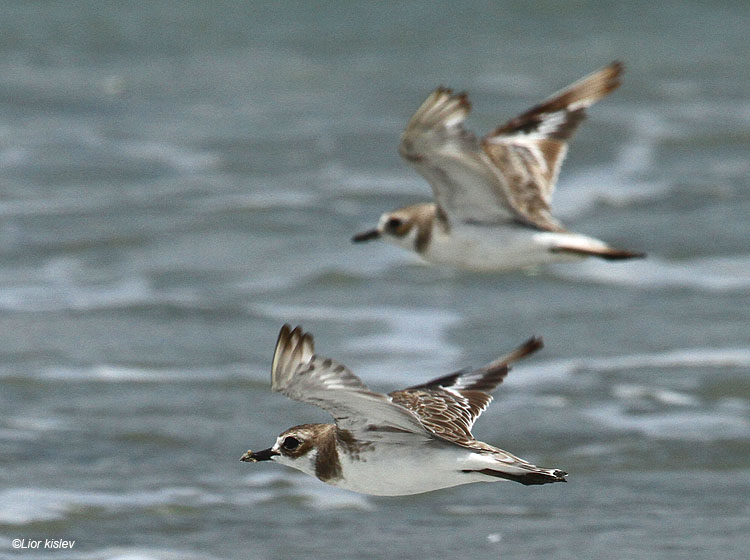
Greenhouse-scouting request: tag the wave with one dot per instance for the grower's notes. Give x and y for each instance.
(554, 371)
(107, 373)
(254, 201)
(686, 425)
(139, 553)
(61, 294)
(178, 158)
(342, 179)
(272, 487)
(714, 274)
(118, 553)
(22, 506)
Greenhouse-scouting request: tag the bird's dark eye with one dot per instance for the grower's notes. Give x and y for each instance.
(290, 443)
(394, 223)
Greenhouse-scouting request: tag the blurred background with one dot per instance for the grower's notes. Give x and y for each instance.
(178, 179)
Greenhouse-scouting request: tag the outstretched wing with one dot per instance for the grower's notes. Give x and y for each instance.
(529, 149)
(448, 406)
(300, 374)
(511, 173)
(452, 160)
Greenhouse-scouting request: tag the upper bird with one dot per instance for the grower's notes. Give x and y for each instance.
(492, 195)
(406, 442)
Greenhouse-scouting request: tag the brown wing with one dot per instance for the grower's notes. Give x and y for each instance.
(448, 406)
(448, 415)
(529, 149)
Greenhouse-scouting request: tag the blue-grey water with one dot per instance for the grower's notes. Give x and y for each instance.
(178, 179)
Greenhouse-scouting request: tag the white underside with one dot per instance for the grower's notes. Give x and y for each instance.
(480, 247)
(394, 470)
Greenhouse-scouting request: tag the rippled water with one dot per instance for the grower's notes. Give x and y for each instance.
(177, 181)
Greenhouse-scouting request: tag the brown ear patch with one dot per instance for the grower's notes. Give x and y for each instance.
(327, 463)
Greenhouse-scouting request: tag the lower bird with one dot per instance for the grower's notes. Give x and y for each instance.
(492, 195)
(406, 442)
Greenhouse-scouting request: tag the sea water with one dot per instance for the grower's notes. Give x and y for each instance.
(177, 180)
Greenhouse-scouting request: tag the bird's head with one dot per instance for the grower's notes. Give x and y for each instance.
(298, 447)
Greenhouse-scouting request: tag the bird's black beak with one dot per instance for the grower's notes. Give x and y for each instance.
(366, 236)
(265, 455)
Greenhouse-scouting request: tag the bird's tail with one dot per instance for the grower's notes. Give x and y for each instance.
(607, 253)
(576, 244)
(496, 463)
(532, 476)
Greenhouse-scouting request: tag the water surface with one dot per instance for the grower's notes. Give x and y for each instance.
(178, 180)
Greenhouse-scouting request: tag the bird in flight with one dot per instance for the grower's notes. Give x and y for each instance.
(406, 442)
(492, 195)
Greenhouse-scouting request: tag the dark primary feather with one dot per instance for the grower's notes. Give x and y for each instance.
(530, 148)
(486, 378)
(591, 87)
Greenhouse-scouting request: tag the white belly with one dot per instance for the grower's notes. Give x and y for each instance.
(395, 473)
(500, 248)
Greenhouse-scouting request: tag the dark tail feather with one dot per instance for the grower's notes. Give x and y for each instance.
(608, 253)
(528, 479)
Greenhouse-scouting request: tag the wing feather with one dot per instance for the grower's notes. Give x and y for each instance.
(448, 406)
(300, 374)
(450, 157)
(531, 147)
(510, 174)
